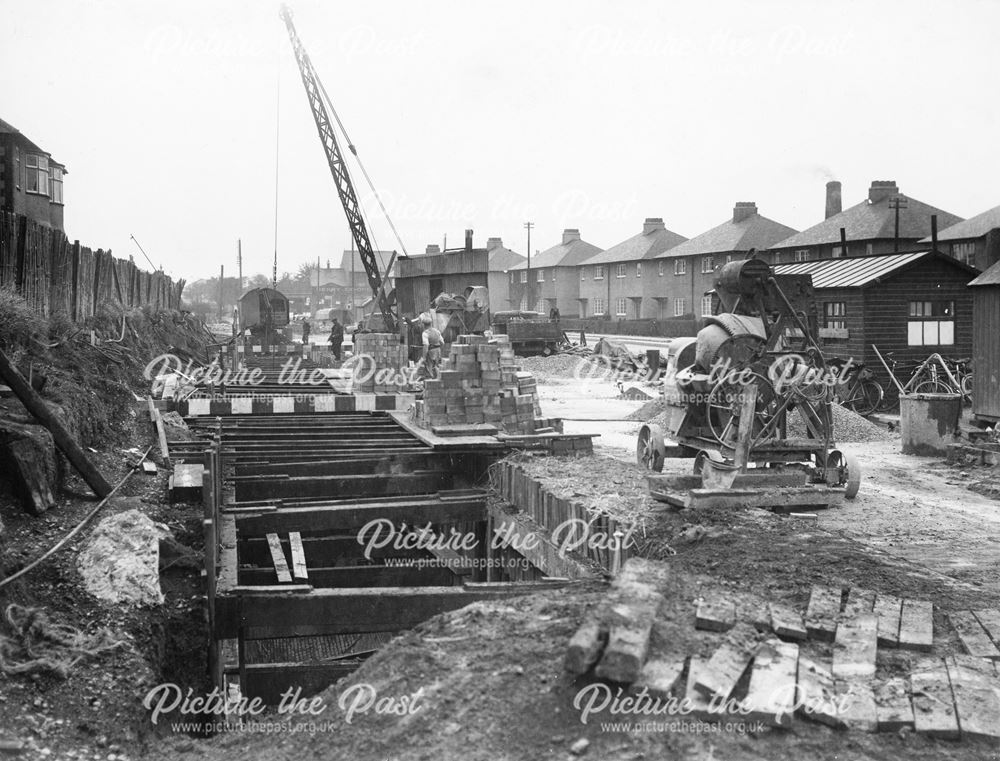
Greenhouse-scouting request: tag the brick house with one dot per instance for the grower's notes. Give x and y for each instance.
(612, 281)
(680, 277)
(976, 241)
(869, 227)
(555, 281)
(31, 181)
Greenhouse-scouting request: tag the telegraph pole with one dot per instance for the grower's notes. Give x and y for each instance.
(222, 279)
(527, 285)
(239, 261)
(897, 203)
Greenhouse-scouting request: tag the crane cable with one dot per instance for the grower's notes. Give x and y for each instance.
(277, 146)
(361, 165)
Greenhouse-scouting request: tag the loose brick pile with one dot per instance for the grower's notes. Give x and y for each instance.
(479, 383)
(390, 362)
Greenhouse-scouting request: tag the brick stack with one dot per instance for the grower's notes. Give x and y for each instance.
(388, 356)
(479, 383)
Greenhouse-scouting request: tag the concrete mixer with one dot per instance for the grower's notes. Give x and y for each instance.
(731, 392)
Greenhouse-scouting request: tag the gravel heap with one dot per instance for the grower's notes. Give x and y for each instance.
(558, 366)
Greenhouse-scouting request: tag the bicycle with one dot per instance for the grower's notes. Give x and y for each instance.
(860, 392)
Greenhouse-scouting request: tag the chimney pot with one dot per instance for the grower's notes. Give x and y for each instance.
(744, 210)
(468, 240)
(433, 248)
(570, 234)
(834, 202)
(652, 225)
(881, 190)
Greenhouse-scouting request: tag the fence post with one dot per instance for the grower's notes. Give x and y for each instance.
(22, 234)
(117, 281)
(74, 296)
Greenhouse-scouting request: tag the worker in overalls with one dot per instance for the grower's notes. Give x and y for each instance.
(336, 338)
(433, 341)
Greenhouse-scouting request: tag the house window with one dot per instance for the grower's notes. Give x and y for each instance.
(37, 180)
(638, 269)
(553, 274)
(707, 264)
(620, 309)
(964, 252)
(523, 306)
(931, 323)
(583, 273)
(680, 266)
(540, 306)
(598, 273)
(660, 266)
(802, 255)
(56, 184)
(524, 276)
(598, 307)
(706, 306)
(513, 277)
(834, 313)
(540, 276)
(620, 272)
(680, 307)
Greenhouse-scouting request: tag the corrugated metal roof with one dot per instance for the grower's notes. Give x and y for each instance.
(990, 277)
(851, 272)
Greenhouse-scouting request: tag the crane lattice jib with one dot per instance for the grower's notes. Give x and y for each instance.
(338, 168)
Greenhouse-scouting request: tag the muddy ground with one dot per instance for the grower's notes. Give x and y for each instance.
(489, 679)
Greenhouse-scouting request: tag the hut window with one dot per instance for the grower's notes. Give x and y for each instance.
(834, 313)
(931, 323)
(802, 255)
(964, 252)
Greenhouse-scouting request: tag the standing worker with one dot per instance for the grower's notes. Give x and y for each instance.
(336, 338)
(433, 341)
(306, 328)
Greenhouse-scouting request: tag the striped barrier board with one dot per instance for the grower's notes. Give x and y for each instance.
(278, 405)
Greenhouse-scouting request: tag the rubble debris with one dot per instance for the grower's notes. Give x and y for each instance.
(121, 560)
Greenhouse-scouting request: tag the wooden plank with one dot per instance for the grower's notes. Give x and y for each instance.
(727, 664)
(716, 613)
(821, 615)
(989, 619)
(786, 622)
(888, 609)
(299, 570)
(817, 693)
(855, 646)
(975, 638)
(33, 484)
(278, 558)
(916, 625)
(161, 435)
(856, 700)
(893, 709)
(933, 704)
(771, 693)
(629, 627)
(976, 690)
(660, 675)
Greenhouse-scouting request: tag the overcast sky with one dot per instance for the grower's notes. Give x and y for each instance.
(484, 115)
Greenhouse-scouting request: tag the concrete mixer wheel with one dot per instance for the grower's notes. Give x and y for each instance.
(650, 450)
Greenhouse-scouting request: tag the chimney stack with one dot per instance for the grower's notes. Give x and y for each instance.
(653, 225)
(493, 243)
(570, 235)
(834, 202)
(744, 210)
(881, 190)
(468, 240)
(433, 248)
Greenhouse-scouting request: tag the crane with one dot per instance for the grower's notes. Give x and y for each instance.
(341, 177)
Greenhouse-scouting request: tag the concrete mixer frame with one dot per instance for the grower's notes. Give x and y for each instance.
(756, 362)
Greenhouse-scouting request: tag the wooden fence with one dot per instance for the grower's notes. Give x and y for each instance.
(54, 275)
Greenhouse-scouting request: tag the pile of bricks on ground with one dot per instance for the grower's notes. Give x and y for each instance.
(771, 664)
(383, 372)
(479, 384)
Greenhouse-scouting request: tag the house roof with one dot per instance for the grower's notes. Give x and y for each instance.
(872, 221)
(859, 271)
(638, 247)
(345, 260)
(755, 231)
(990, 277)
(562, 255)
(973, 227)
(10, 129)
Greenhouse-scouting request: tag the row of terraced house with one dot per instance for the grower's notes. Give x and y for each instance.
(659, 274)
